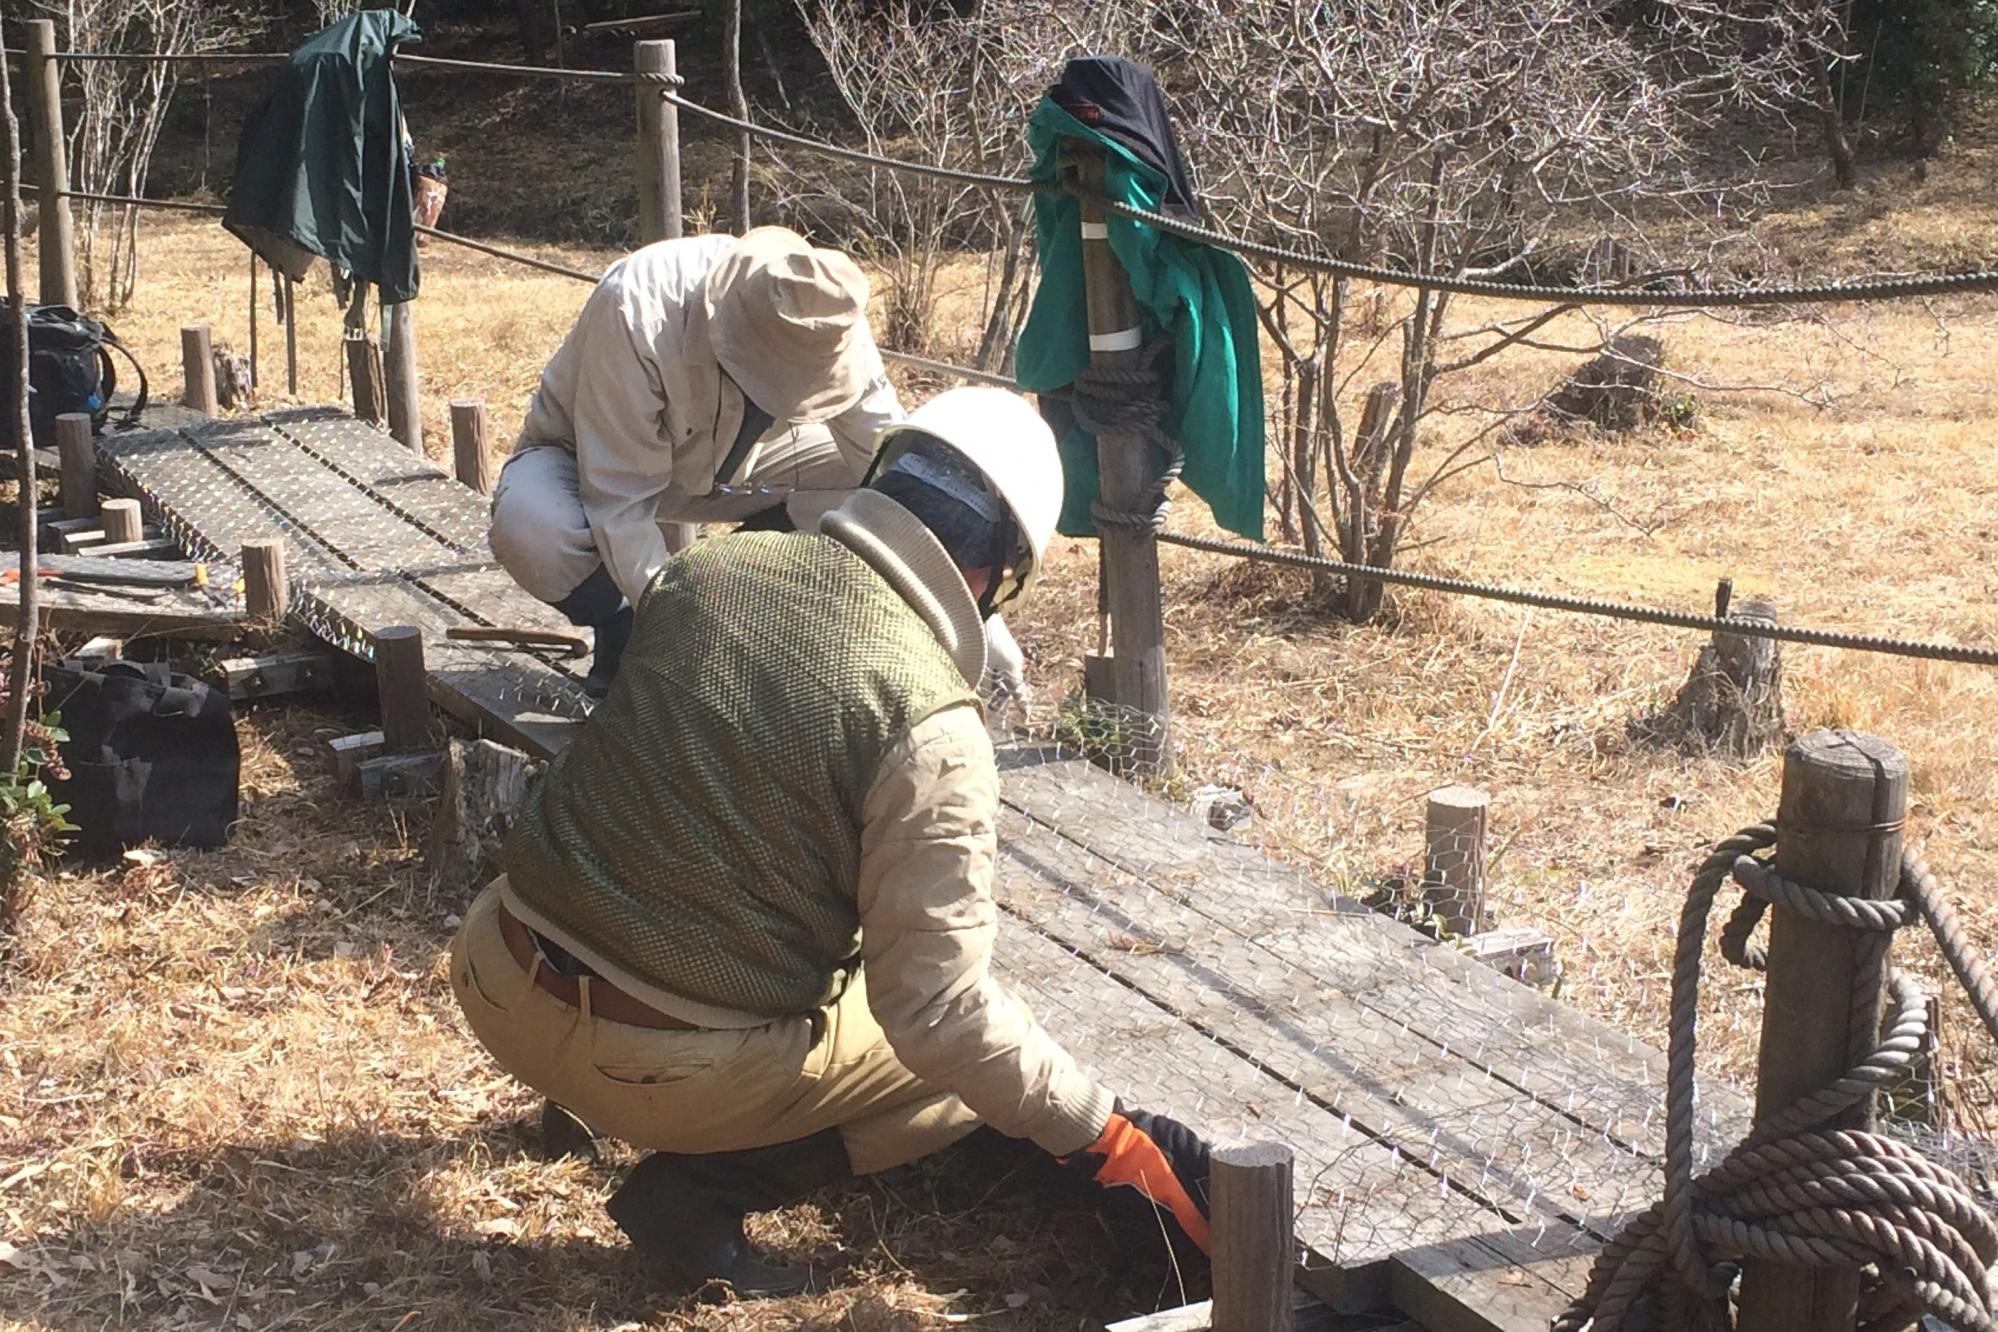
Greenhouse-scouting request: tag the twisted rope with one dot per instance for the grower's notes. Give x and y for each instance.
(1131, 400)
(1793, 1192)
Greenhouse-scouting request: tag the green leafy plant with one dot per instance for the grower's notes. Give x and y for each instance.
(35, 822)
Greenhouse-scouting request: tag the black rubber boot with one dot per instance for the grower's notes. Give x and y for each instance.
(563, 1133)
(684, 1214)
(611, 634)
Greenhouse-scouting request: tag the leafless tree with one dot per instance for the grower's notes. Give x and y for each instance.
(124, 105)
(938, 88)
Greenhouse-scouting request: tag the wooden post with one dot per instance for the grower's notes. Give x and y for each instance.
(1453, 865)
(78, 451)
(1130, 560)
(1254, 1251)
(122, 521)
(403, 688)
(364, 372)
(468, 443)
(57, 237)
(405, 394)
(265, 591)
(1838, 828)
(197, 369)
(658, 145)
(290, 339)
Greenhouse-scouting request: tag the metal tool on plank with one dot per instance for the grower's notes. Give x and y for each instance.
(573, 645)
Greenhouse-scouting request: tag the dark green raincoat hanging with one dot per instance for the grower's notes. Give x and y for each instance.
(321, 168)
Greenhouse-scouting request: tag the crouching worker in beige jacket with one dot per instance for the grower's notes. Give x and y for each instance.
(747, 917)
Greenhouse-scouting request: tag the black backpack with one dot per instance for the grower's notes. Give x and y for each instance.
(69, 370)
(151, 755)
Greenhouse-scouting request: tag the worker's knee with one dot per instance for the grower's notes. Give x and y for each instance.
(540, 534)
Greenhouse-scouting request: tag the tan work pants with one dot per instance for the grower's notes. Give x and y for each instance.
(703, 1091)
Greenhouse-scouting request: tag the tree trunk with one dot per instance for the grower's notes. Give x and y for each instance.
(1831, 121)
(1732, 702)
(1361, 534)
(738, 106)
(484, 783)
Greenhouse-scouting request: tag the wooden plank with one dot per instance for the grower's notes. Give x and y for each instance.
(1307, 1315)
(1479, 1142)
(1488, 1283)
(1418, 988)
(408, 483)
(48, 465)
(1369, 1201)
(129, 613)
(126, 573)
(156, 548)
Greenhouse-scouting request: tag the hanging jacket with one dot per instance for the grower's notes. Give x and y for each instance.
(1198, 295)
(322, 168)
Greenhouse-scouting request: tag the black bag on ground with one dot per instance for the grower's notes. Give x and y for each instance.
(151, 755)
(69, 370)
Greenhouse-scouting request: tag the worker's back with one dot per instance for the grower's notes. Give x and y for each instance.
(703, 833)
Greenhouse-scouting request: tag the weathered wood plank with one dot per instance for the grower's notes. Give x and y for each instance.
(94, 568)
(1367, 1201)
(1416, 987)
(128, 613)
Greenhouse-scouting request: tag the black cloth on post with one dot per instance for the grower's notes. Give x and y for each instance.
(1120, 98)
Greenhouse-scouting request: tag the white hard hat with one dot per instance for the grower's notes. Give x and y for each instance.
(1004, 437)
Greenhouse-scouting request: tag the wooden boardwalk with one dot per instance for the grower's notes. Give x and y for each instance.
(1463, 1143)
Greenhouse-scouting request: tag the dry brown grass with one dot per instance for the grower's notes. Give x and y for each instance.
(247, 1064)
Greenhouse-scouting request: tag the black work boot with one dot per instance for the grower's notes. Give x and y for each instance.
(611, 634)
(684, 1213)
(563, 1133)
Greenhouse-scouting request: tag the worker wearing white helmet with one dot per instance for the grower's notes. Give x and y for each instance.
(747, 920)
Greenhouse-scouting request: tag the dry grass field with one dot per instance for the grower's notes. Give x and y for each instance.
(234, 1088)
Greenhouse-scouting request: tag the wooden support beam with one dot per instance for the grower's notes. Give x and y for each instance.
(1130, 559)
(405, 392)
(276, 673)
(658, 144)
(1254, 1250)
(400, 776)
(346, 753)
(78, 448)
(148, 548)
(266, 593)
(1453, 865)
(403, 686)
(197, 370)
(1845, 795)
(57, 239)
(468, 444)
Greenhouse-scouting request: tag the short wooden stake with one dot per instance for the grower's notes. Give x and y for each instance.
(1453, 865)
(468, 444)
(405, 394)
(265, 592)
(57, 237)
(1255, 1253)
(364, 372)
(658, 145)
(197, 369)
(79, 464)
(122, 521)
(403, 688)
(1838, 828)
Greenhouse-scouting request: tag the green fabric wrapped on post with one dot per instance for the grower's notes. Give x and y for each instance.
(1197, 294)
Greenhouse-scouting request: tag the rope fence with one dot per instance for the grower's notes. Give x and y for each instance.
(1842, 291)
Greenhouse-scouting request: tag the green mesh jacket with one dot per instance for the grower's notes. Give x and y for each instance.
(703, 832)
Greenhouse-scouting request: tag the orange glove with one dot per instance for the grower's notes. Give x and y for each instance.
(1159, 1157)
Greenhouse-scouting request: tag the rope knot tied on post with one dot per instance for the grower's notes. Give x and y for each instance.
(1132, 400)
(1796, 1191)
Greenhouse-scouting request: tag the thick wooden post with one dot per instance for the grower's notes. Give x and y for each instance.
(122, 521)
(403, 688)
(468, 444)
(658, 145)
(57, 236)
(266, 594)
(1838, 828)
(1453, 866)
(197, 369)
(1130, 564)
(1254, 1252)
(79, 465)
(405, 393)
